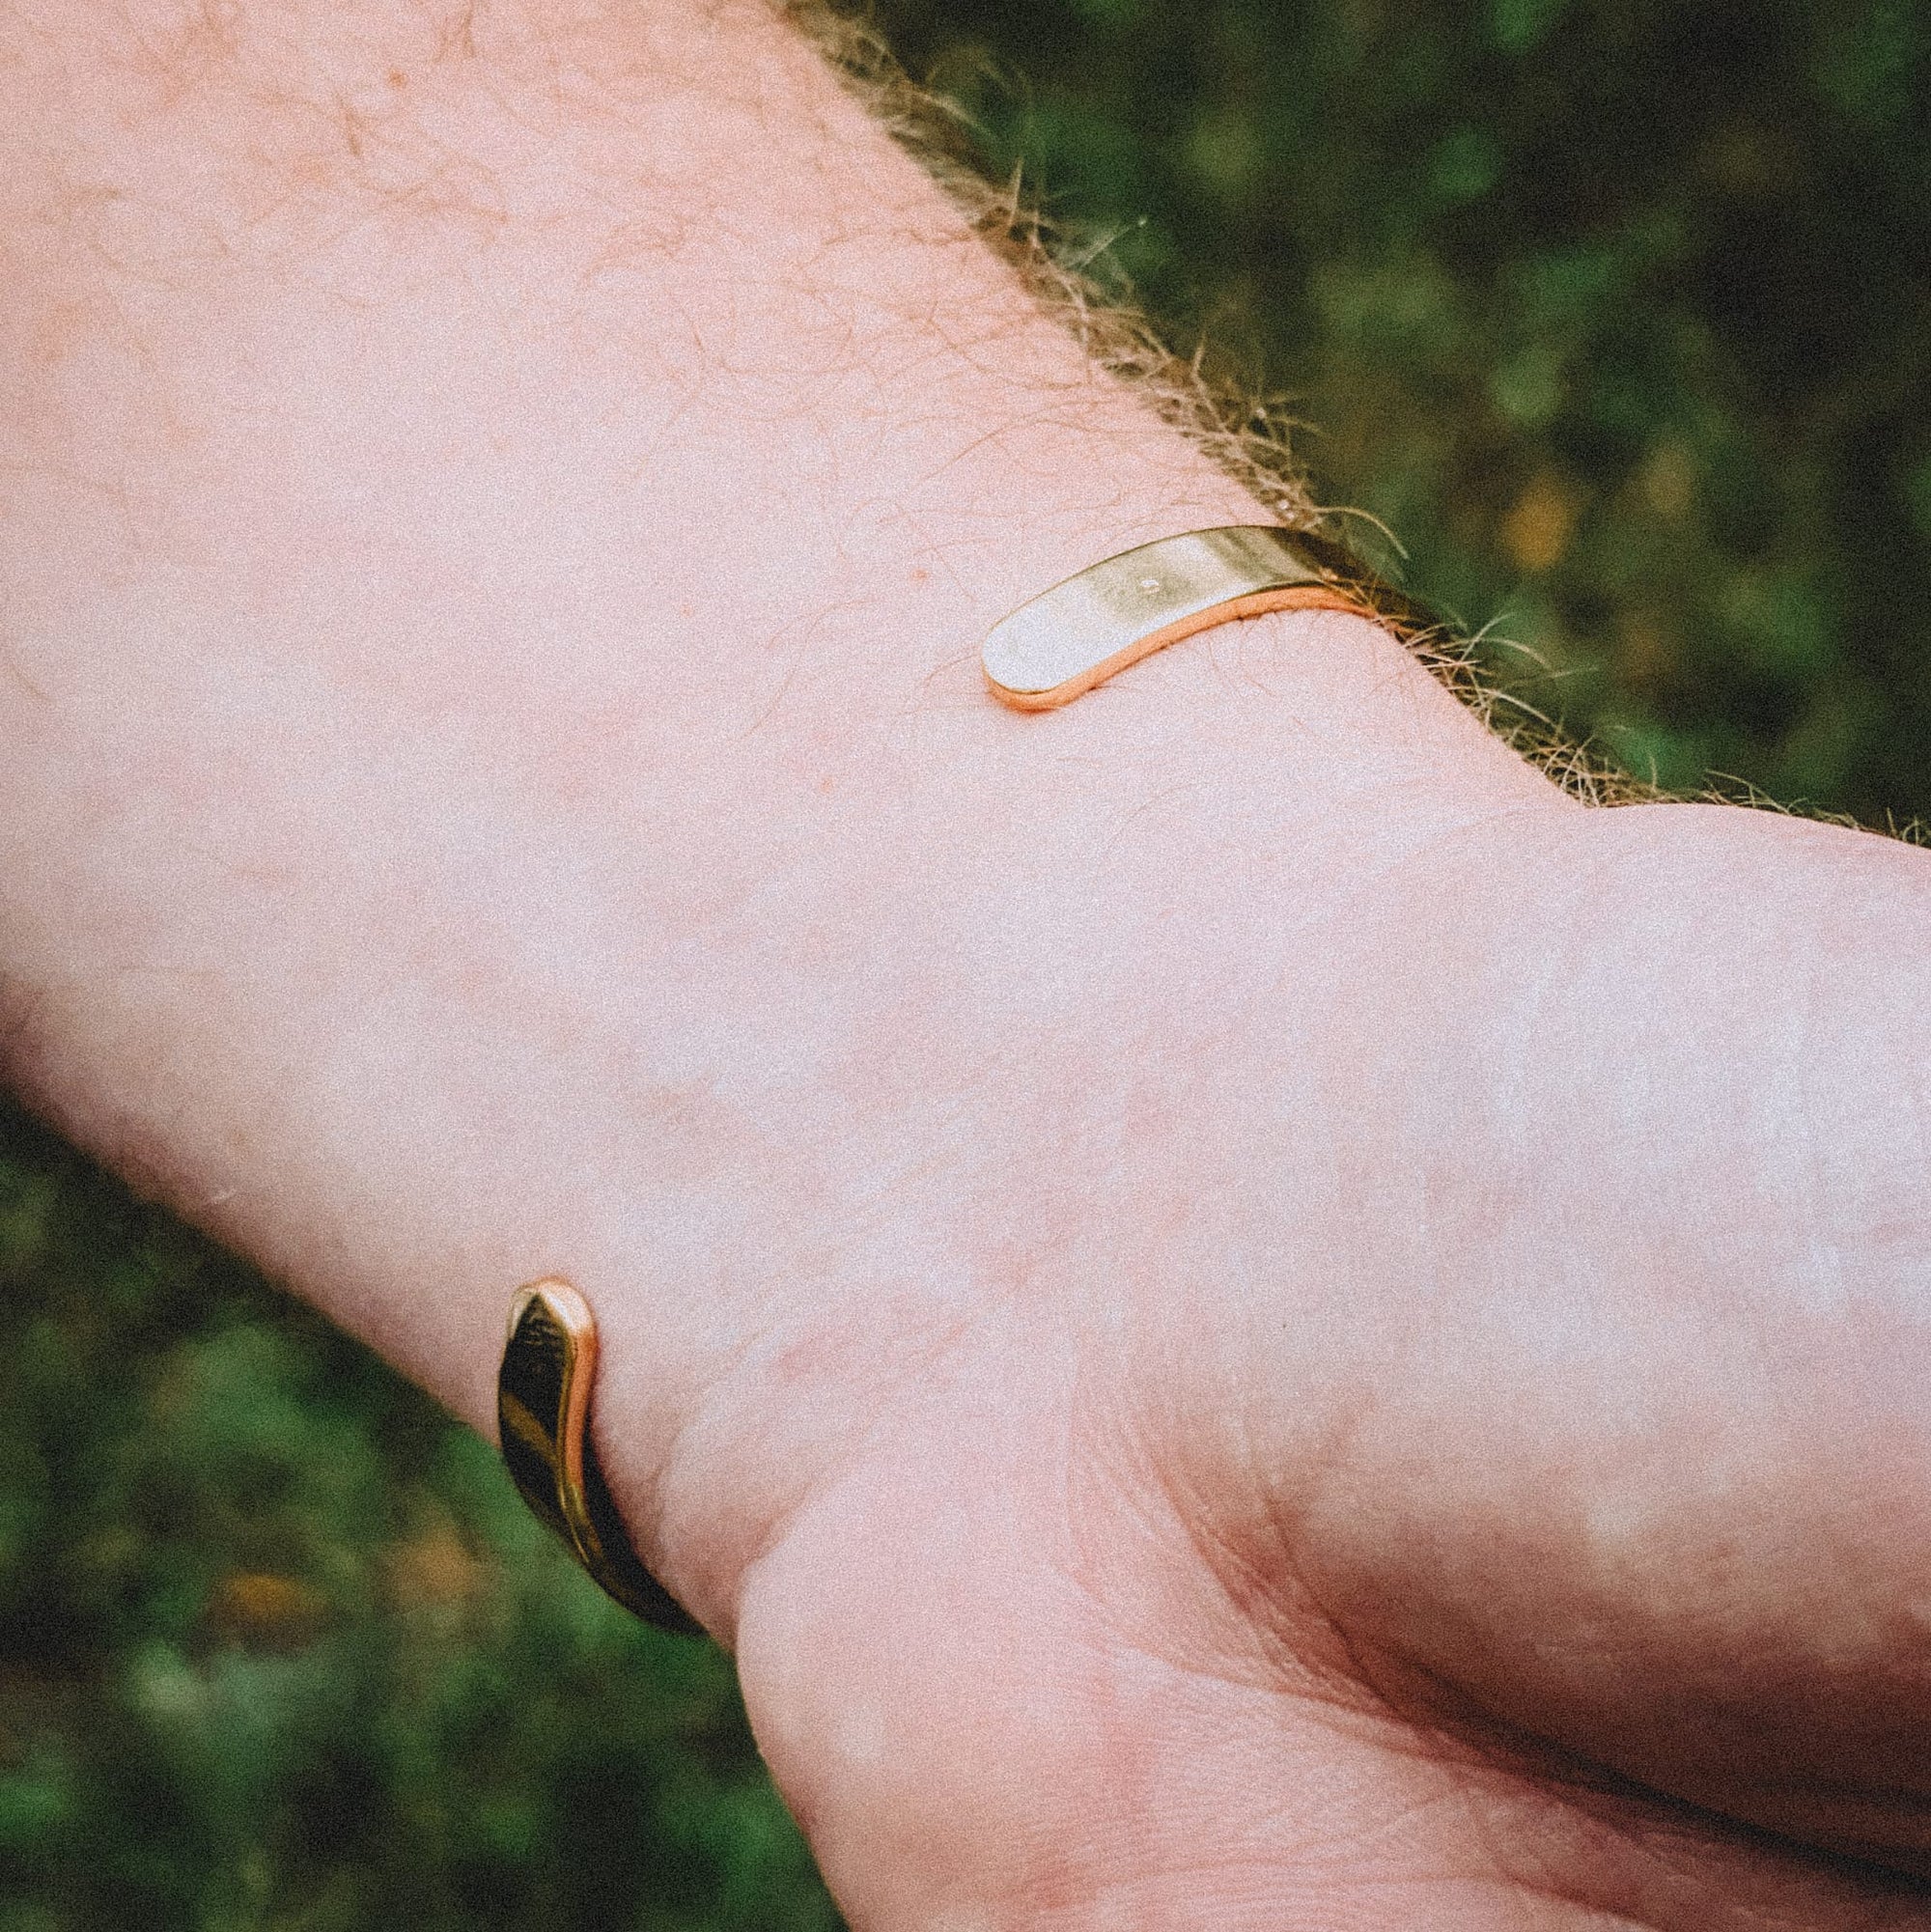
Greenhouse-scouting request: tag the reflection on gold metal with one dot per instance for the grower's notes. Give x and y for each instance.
(1078, 633)
(542, 1418)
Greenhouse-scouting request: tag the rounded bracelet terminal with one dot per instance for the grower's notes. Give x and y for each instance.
(1080, 632)
(543, 1421)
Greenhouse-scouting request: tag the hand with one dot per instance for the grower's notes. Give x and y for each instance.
(1238, 1308)
(1435, 1435)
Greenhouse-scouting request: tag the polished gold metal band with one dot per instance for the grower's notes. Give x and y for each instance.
(1083, 632)
(542, 1420)
(1046, 653)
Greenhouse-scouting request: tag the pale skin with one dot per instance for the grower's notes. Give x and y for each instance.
(1245, 1316)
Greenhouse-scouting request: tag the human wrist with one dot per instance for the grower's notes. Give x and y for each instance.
(496, 702)
(1037, 928)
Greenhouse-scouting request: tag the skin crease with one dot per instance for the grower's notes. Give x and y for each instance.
(1245, 1316)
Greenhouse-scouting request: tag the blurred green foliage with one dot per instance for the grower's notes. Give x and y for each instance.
(1618, 314)
(281, 1648)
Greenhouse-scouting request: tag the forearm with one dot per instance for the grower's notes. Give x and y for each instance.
(500, 508)
(1161, 1264)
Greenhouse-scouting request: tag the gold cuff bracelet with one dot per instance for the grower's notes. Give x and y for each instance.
(1046, 653)
(1078, 633)
(542, 1420)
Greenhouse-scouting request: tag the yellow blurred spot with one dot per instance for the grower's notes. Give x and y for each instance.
(257, 1605)
(1536, 532)
(435, 1568)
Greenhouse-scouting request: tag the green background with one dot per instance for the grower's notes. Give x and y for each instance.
(1618, 314)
